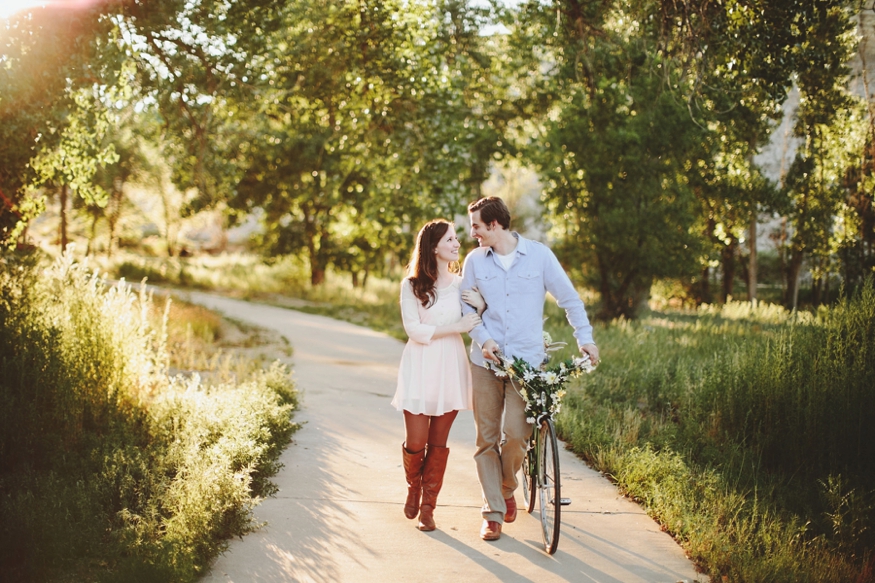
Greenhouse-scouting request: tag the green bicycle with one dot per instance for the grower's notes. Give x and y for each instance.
(541, 480)
(542, 390)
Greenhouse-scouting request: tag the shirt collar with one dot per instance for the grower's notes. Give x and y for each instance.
(522, 245)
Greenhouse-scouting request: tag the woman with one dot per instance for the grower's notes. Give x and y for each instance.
(434, 379)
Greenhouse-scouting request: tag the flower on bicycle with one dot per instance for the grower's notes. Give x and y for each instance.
(541, 388)
(583, 363)
(548, 340)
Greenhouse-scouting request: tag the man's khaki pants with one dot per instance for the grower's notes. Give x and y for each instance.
(497, 462)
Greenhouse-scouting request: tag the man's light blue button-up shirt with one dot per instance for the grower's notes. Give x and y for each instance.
(514, 315)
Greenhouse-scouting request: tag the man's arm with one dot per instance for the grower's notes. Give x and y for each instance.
(560, 287)
(479, 334)
(468, 282)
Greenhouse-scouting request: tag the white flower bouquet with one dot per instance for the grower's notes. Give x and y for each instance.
(542, 388)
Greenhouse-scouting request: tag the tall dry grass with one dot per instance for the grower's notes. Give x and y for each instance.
(111, 469)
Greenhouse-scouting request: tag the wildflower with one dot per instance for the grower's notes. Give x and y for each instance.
(541, 388)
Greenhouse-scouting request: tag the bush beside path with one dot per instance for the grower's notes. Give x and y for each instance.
(337, 515)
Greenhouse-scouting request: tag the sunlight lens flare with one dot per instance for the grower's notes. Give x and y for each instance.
(10, 8)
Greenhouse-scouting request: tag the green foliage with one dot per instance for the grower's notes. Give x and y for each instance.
(366, 128)
(643, 119)
(611, 144)
(246, 275)
(57, 69)
(743, 429)
(108, 465)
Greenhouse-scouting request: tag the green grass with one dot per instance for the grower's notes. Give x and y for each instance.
(112, 467)
(744, 430)
(282, 282)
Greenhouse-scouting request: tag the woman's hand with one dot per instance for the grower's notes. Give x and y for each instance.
(473, 298)
(469, 322)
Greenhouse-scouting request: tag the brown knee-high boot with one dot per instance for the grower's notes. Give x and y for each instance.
(413, 463)
(432, 480)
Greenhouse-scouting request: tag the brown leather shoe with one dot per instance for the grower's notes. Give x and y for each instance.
(510, 515)
(491, 530)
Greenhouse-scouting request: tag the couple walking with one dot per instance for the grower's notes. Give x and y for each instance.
(499, 302)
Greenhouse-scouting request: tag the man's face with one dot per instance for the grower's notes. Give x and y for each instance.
(485, 234)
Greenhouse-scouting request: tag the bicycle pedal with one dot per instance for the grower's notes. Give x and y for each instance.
(565, 501)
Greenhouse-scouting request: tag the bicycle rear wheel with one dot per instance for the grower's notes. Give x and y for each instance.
(548, 485)
(527, 479)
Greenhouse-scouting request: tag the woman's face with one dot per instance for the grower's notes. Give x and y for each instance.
(448, 247)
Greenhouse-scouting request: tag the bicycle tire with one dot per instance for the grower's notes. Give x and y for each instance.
(549, 487)
(527, 479)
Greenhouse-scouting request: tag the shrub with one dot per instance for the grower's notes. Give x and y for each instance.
(110, 468)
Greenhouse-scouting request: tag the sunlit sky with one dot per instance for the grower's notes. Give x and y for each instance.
(10, 7)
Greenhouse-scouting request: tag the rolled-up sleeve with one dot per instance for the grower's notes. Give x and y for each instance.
(560, 287)
(416, 330)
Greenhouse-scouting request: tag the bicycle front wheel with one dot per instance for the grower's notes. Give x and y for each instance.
(548, 485)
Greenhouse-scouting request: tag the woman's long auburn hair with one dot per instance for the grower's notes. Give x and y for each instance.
(422, 271)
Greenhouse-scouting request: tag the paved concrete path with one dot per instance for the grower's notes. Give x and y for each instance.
(338, 514)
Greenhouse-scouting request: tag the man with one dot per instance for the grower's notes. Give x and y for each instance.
(513, 275)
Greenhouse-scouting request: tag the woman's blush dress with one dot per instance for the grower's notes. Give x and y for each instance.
(434, 377)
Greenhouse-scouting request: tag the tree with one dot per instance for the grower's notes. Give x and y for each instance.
(80, 152)
(611, 145)
(366, 129)
(197, 61)
(56, 62)
(813, 183)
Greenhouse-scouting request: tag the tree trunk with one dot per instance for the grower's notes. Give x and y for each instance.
(782, 261)
(621, 298)
(752, 261)
(705, 288)
(94, 218)
(65, 191)
(826, 288)
(114, 211)
(793, 269)
(317, 275)
(318, 261)
(728, 259)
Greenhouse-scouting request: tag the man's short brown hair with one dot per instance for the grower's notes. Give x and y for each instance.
(491, 209)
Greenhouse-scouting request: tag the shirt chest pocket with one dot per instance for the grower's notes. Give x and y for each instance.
(529, 282)
(485, 280)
